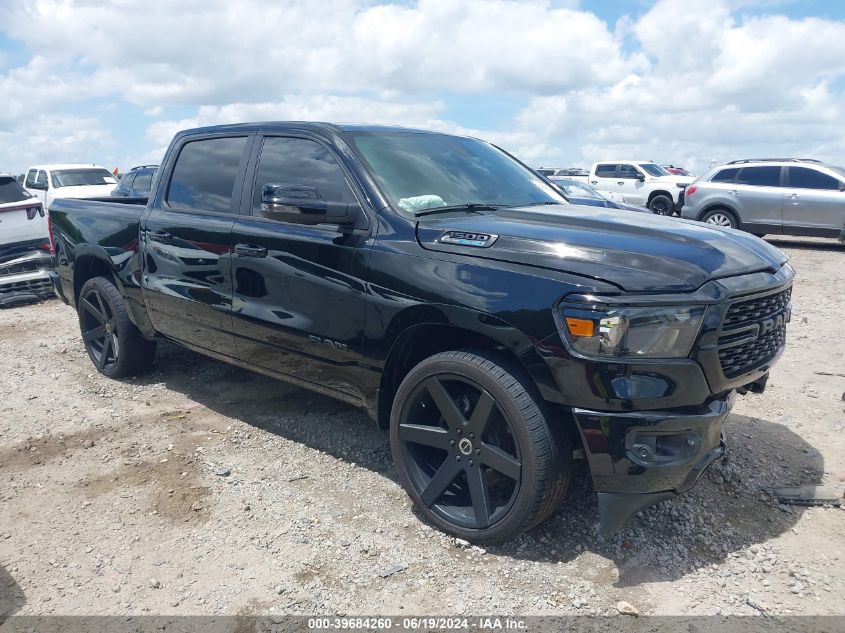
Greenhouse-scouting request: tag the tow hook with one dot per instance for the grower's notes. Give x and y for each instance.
(758, 386)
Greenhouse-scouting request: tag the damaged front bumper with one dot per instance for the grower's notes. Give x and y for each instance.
(640, 458)
(25, 278)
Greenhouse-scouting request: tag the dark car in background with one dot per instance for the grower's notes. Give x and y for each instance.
(581, 193)
(136, 183)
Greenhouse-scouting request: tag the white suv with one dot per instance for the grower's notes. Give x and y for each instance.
(48, 182)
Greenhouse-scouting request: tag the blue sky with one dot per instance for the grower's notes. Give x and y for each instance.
(559, 83)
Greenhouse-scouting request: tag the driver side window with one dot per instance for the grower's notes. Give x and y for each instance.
(299, 162)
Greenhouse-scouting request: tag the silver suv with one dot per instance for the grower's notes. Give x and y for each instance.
(788, 196)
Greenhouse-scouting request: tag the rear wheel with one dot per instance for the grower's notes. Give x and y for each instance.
(473, 447)
(662, 205)
(113, 343)
(720, 217)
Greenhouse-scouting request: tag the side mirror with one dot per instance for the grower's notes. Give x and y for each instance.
(640, 177)
(302, 204)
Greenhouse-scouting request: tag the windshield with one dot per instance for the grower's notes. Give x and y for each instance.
(578, 189)
(83, 177)
(421, 171)
(839, 170)
(11, 190)
(653, 169)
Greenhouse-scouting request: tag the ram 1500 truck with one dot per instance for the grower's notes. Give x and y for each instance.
(494, 329)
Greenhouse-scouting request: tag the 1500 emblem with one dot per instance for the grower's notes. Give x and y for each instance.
(329, 343)
(462, 238)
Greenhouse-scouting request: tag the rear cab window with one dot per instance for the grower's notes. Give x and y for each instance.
(205, 174)
(606, 170)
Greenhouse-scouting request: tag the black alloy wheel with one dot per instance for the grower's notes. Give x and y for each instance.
(115, 346)
(99, 331)
(473, 448)
(662, 205)
(460, 451)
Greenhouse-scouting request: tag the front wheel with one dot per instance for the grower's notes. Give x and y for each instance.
(662, 205)
(473, 447)
(112, 341)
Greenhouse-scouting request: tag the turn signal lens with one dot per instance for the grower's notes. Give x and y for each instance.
(579, 327)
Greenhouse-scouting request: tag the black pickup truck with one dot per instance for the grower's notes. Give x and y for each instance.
(494, 329)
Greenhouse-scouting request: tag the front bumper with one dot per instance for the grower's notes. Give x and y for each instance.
(643, 457)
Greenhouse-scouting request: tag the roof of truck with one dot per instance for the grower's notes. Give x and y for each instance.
(54, 166)
(314, 126)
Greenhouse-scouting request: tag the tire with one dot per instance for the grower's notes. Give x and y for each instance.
(112, 341)
(721, 217)
(662, 204)
(473, 447)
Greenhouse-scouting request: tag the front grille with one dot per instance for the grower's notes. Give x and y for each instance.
(753, 332)
(22, 267)
(755, 310)
(41, 287)
(741, 359)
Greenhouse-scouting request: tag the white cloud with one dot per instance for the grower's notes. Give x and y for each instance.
(685, 81)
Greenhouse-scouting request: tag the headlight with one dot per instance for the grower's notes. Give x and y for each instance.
(642, 332)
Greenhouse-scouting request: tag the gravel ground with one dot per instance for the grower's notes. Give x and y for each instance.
(204, 489)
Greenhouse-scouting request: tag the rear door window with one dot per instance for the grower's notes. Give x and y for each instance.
(759, 176)
(205, 173)
(806, 178)
(606, 170)
(143, 182)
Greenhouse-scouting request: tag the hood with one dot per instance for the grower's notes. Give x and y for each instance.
(85, 191)
(636, 252)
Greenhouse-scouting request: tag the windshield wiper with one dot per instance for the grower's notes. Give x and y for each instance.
(539, 204)
(474, 207)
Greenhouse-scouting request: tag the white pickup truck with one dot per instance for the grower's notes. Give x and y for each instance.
(48, 182)
(641, 182)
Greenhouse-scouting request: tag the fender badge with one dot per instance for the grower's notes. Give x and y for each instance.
(461, 238)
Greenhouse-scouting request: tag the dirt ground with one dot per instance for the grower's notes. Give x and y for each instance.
(201, 488)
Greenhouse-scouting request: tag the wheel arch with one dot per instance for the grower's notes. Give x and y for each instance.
(90, 262)
(659, 192)
(434, 330)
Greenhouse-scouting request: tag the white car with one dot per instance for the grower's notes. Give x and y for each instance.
(640, 182)
(24, 246)
(48, 182)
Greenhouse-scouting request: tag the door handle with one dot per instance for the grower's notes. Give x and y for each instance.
(793, 195)
(248, 250)
(733, 192)
(160, 236)
(594, 182)
(620, 182)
